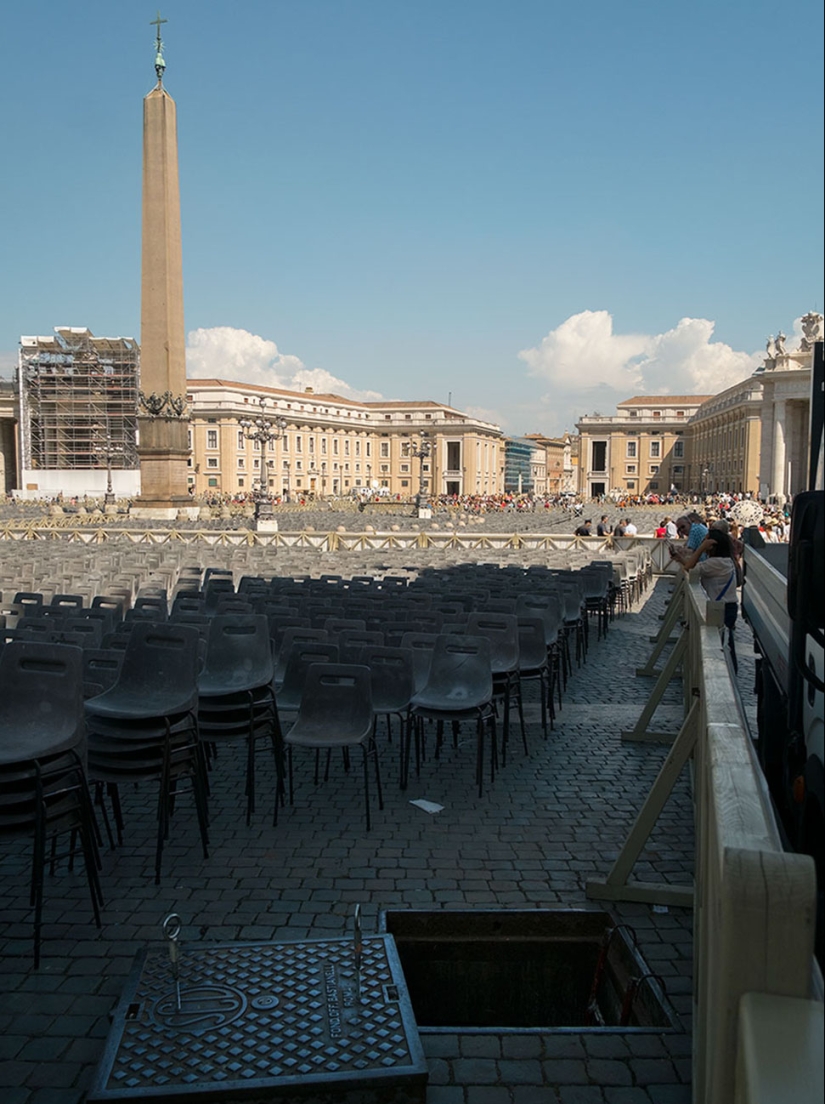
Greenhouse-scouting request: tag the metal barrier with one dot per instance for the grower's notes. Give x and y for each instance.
(68, 529)
(754, 904)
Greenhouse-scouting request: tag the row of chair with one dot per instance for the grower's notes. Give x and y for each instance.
(184, 674)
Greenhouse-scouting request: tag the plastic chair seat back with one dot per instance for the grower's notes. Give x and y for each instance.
(158, 676)
(336, 709)
(238, 655)
(501, 629)
(461, 677)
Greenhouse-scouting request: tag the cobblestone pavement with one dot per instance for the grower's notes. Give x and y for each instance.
(548, 823)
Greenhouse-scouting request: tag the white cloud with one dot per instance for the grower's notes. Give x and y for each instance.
(223, 352)
(589, 366)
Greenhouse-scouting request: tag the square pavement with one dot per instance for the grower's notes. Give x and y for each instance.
(549, 822)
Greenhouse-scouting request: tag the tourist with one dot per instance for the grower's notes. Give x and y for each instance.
(603, 528)
(717, 574)
(584, 529)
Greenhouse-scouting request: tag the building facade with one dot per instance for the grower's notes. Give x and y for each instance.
(754, 437)
(77, 421)
(641, 450)
(724, 440)
(525, 466)
(561, 459)
(786, 411)
(334, 446)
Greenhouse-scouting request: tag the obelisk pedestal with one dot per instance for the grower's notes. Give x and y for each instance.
(163, 439)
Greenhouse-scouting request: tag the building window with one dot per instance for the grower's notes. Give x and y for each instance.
(385, 467)
(240, 481)
(241, 440)
(631, 450)
(242, 462)
(678, 450)
(211, 482)
(405, 467)
(678, 469)
(598, 456)
(323, 446)
(631, 484)
(657, 413)
(212, 462)
(654, 469)
(655, 449)
(211, 438)
(630, 469)
(346, 446)
(385, 449)
(654, 486)
(298, 443)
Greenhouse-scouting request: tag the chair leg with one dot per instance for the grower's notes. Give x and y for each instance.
(101, 804)
(520, 705)
(366, 784)
(377, 775)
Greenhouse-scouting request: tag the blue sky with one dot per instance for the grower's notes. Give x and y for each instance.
(535, 208)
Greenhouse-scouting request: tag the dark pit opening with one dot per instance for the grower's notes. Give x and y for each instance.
(526, 970)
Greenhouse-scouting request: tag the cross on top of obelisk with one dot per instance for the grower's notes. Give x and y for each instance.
(160, 64)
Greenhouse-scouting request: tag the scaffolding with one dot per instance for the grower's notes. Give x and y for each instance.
(78, 401)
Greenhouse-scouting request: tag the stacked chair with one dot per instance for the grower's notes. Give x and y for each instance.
(236, 697)
(144, 728)
(43, 789)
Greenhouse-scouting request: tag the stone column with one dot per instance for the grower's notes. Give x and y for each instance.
(778, 474)
(162, 427)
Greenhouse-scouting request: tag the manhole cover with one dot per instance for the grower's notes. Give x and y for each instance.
(261, 1020)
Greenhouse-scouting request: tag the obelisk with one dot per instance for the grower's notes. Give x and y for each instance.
(162, 420)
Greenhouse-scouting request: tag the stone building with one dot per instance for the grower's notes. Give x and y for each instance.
(333, 446)
(786, 410)
(724, 440)
(640, 450)
(754, 436)
(561, 458)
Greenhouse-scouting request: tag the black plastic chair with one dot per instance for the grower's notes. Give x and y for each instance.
(292, 635)
(236, 700)
(301, 656)
(392, 677)
(43, 788)
(459, 688)
(501, 629)
(535, 665)
(352, 642)
(145, 727)
(336, 712)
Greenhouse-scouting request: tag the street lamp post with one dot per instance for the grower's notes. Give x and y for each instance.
(109, 449)
(263, 429)
(422, 448)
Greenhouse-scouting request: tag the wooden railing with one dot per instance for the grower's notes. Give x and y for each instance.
(754, 903)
